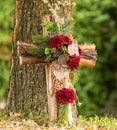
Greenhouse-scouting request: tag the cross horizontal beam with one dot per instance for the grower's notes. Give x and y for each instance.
(88, 56)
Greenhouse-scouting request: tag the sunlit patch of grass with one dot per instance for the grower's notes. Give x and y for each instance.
(98, 122)
(17, 120)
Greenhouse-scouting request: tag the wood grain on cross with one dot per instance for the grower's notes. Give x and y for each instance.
(87, 58)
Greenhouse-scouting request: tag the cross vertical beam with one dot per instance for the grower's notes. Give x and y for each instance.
(52, 104)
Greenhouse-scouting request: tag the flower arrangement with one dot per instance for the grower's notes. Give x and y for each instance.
(54, 47)
(63, 53)
(65, 95)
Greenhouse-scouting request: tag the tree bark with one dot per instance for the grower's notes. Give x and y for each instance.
(27, 86)
(87, 58)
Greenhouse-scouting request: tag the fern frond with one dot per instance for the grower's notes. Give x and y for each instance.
(40, 39)
(36, 51)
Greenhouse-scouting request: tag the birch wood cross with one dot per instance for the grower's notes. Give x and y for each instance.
(87, 58)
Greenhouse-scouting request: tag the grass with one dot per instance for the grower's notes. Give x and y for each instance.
(99, 122)
(18, 121)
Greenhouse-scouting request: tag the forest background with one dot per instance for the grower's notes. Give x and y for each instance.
(96, 22)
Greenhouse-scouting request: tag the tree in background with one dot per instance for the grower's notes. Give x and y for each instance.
(96, 22)
(6, 28)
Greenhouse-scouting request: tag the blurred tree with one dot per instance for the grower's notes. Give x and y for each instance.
(6, 27)
(96, 22)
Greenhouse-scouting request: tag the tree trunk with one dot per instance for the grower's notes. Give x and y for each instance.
(27, 88)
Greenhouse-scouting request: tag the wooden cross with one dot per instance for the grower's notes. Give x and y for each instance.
(87, 58)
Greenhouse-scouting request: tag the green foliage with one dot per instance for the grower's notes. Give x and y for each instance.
(4, 76)
(6, 19)
(51, 27)
(47, 51)
(61, 28)
(96, 22)
(68, 26)
(63, 114)
(48, 57)
(100, 122)
(48, 54)
(29, 122)
(41, 48)
(6, 29)
(40, 40)
(36, 51)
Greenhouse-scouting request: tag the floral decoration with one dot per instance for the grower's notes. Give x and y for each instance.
(56, 46)
(65, 95)
(59, 40)
(67, 40)
(73, 62)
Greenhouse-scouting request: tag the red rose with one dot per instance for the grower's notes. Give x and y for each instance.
(65, 95)
(73, 62)
(67, 40)
(57, 41)
(79, 50)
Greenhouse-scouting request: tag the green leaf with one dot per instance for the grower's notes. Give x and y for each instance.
(48, 25)
(51, 27)
(64, 49)
(48, 58)
(47, 51)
